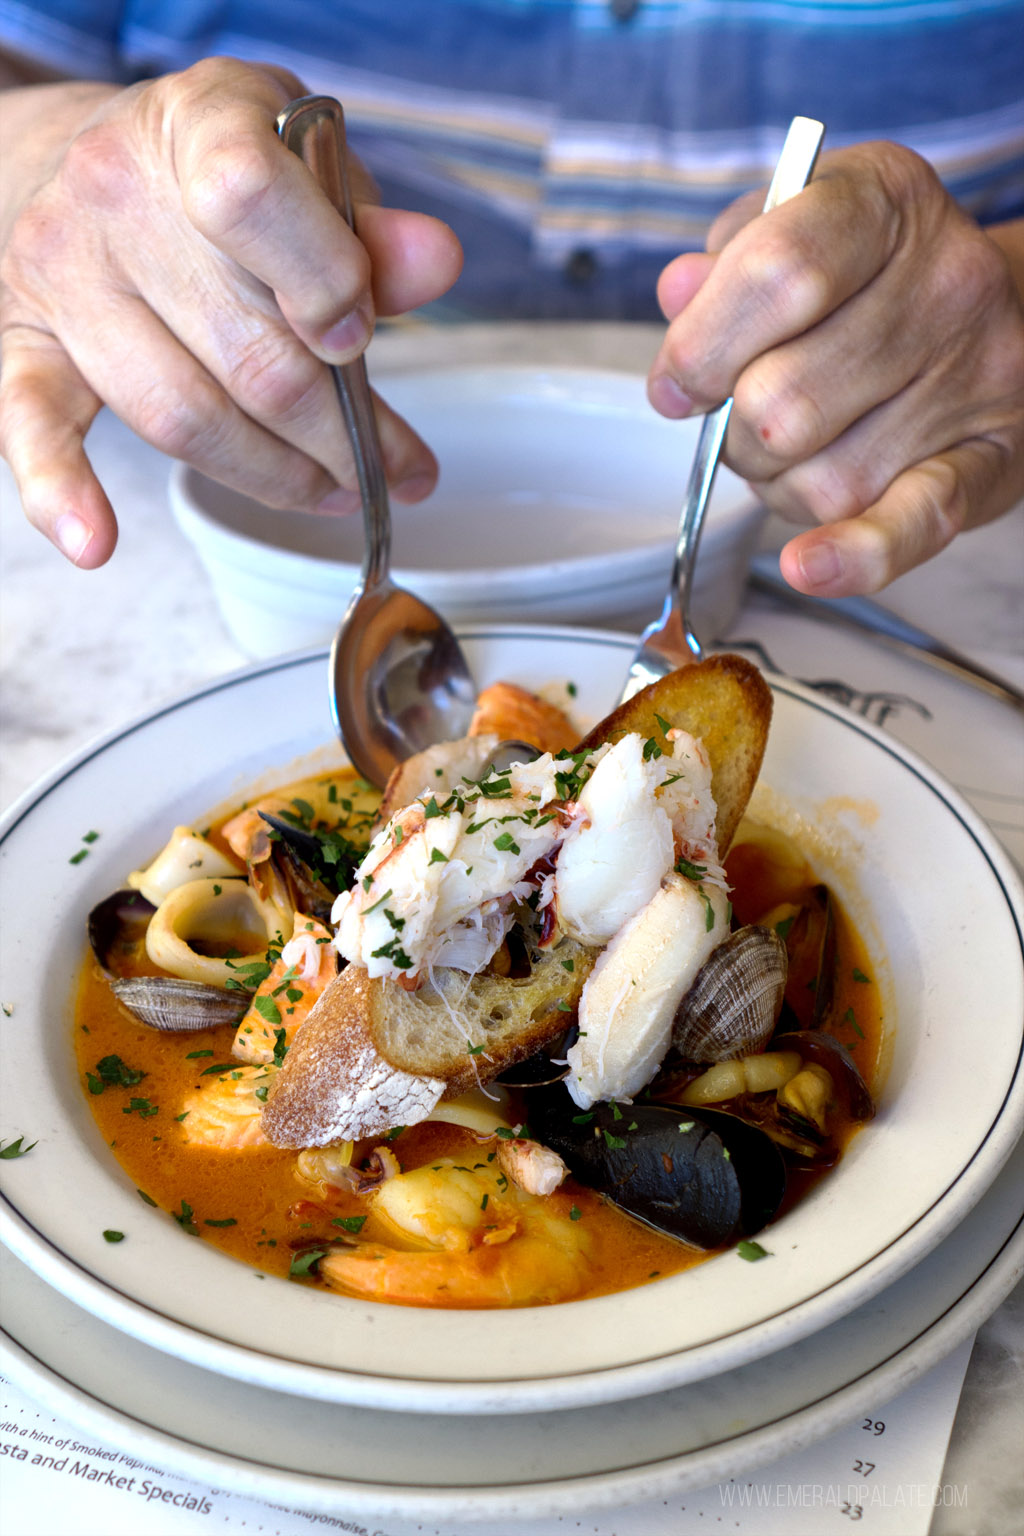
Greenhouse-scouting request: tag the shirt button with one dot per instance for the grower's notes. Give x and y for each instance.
(581, 268)
(623, 10)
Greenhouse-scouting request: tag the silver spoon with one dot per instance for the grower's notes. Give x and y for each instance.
(398, 679)
(670, 642)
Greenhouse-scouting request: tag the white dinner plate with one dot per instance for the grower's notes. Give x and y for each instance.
(348, 1461)
(934, 896)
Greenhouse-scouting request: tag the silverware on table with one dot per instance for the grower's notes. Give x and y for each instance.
(871, 618)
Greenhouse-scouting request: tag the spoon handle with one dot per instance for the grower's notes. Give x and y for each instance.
(314, 128)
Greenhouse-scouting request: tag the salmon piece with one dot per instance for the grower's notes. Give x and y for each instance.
(307, 963)
(224, 1114)
(514, 714)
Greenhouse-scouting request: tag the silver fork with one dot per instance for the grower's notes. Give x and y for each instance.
(669, 641)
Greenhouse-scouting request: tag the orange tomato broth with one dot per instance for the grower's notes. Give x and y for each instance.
(253, 1205)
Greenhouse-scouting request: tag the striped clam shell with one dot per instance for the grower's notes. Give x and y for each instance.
(732, 1007)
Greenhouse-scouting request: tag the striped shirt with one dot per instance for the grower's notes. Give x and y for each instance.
(577, 145)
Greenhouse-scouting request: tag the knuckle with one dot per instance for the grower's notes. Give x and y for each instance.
(181, 423)
(98, 168)
(275, 379)
(820, 491)
(228, 189)
(787, 422)
(787, 276)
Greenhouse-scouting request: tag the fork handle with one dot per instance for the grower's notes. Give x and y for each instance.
(792, 173)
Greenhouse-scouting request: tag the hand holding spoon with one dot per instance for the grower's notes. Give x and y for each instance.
(398, 679)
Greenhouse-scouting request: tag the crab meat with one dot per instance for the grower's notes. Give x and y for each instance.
(630, 998)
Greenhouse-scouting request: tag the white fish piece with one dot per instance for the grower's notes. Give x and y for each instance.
(185, 856)
(619, 847)
(630, 998)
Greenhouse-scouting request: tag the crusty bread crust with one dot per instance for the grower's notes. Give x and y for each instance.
(724, 701)
(467, 1029)
(334, 1085)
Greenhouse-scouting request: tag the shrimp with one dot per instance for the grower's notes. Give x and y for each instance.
(482, 1243)
(225, 1115)
(306, 964)
(512, 714)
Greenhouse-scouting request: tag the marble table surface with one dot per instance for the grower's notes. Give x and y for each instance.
(82, 652)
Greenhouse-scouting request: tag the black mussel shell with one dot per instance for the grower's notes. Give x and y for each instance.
(546, 1066)
(314, 879)
(701, 1176)
(116, 928)
(811, 948)
(828, 1052)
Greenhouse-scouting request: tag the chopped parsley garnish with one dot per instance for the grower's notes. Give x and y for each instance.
(195, 1055)
(280, 1046)
(148, 1198)
(783, 926)
(110, 1236)
(379, 902)
(616, 1143)
(752, 1251)
(141, 1107)
(437, 857)
(691, 871)
(574, 1213)
(185, 1221)
(858, 975)
(225, 1221)
(111, 1072)
(303, 1264)
(349, 1223)
(222, 1066)
(267, 1009)
(16, 1148)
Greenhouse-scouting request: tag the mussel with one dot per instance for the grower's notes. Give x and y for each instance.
(315, 866)
(809, 932)
(700, 1176)
(732, 1007)
(116, 928)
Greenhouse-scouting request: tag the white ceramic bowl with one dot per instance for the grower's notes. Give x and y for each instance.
(934, 896)
(558, 502)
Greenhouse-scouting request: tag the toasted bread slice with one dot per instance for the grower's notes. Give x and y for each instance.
(467, 1029)
(334, 1085)
(726, 702)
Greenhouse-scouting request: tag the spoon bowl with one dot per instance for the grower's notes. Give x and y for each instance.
(398, 679)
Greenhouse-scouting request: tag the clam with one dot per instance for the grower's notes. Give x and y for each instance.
(732, 1007)
(701, 1176)
(170, 1004)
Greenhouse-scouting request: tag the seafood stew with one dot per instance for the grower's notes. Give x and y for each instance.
(460, 1195)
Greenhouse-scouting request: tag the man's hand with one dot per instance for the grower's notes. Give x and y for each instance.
(873, 339)
(164, 254)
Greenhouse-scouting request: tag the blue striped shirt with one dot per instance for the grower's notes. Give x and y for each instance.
(577, 145)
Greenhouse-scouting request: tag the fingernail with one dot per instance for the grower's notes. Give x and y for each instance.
(73, 535)
(667, 397)
(416, 487)
(821, 564)
(350, 335)
(340, 500)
